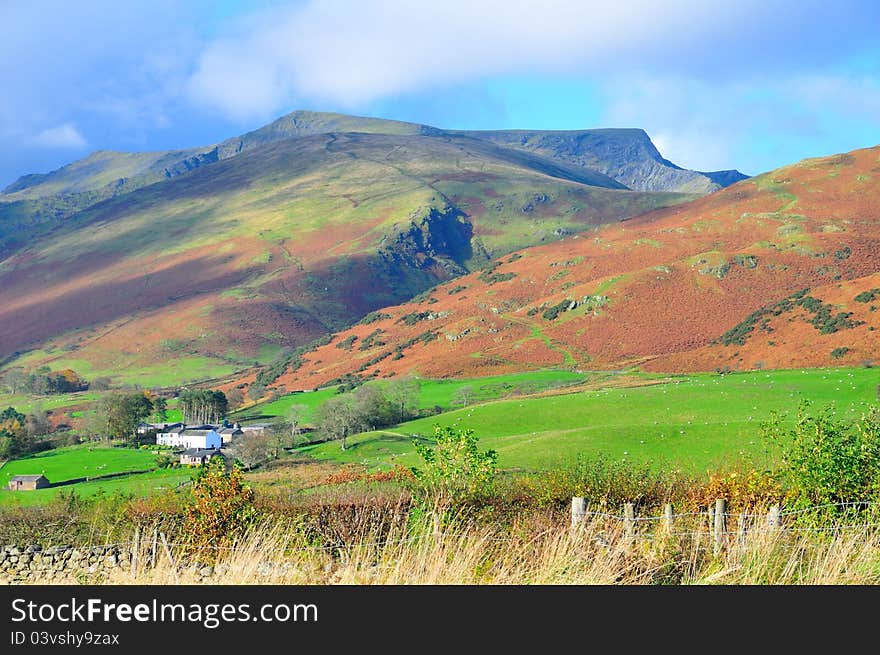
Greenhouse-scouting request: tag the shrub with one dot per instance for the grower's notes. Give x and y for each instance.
(454, 467)
(837, 353)
(221, 508)
(554, 311)
(826, 459)
(868, 296)
(743, 490)
(606, 483)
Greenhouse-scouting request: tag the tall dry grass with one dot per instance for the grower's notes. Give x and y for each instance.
(533, 550)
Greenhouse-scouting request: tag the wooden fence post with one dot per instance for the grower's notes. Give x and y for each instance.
(578, 510)
(720, 512)
(135, 550)
(629, 519)
(774, 518)
(668, 517)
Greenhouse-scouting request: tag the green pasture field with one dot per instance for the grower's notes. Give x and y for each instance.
(27, 403)
(693, 423)
(88, 460)
(84, 460)
(432, 393)
(139, 485)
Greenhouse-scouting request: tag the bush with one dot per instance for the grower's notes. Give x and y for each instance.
(454, 467)
(827, 460)
(837, 353)
(743, 491)
(606, 483)
(221, 508)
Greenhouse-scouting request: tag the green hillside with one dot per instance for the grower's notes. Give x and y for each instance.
(238, 261)
(695, 422)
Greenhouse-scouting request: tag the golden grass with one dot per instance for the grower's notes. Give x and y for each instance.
(533, 550)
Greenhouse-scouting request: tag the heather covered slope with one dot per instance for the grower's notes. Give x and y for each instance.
(716, 283)
(208, 272)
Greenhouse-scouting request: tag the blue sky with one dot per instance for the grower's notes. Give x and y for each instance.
(750, 85)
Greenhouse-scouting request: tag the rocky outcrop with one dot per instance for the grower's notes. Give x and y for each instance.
(435, 239)
(625, 155)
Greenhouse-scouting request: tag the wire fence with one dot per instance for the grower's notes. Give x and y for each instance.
(711, 528)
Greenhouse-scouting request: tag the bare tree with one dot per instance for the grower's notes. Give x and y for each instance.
(463, 396)
(252, 449)
(37, 422)
(14, 380)
(339, 418)
(295, 418)
(235, 398)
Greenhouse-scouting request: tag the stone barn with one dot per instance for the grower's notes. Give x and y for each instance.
(28, 482)
(197, 456)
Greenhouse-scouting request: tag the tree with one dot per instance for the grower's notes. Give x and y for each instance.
(14, 380)
(203, 405)
(339, 418)
(160, 408)
(37, 422)
(463, 396)
(256, 391)
(119, 414)
(279, 437)
(404, 397)
(252, 448)
(372, 407)
(295, 416)
(12, 433)
(235, 398)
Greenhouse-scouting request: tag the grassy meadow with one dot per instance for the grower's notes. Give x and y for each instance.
(692, 422)
(88, 461)
(432, 393)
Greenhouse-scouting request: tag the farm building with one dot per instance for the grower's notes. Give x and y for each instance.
(202, 436)
(147, 428)
(197, 456)
(28, 482)
(256, 428)
(227, 434)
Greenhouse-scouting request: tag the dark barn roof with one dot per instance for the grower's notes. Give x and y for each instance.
(199, 452)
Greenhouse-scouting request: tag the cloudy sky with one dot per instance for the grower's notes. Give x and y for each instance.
(751, 85)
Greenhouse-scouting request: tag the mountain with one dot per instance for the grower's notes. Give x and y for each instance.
(210, 263)
(36, 204)
(778, 271)
(626, 155)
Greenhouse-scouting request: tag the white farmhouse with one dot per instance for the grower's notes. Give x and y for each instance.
(201, 437)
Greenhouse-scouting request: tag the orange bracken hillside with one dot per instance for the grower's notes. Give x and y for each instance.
(717, 283)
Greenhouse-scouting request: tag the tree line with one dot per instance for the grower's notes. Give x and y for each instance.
(203, 405)
(43, 381)
(19, 433)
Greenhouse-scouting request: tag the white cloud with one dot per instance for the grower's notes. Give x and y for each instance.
(61, 137)
(353, 53)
